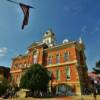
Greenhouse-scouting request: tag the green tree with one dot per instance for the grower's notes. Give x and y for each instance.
(97, 68)
(36, 78)
(4, 85)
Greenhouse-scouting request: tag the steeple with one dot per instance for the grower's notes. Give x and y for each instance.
(80, 40)
(49, 38)
(81, 43)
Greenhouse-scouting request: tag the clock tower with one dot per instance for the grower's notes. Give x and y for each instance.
(49, 38)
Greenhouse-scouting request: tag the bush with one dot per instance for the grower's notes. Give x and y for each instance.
(4, 86)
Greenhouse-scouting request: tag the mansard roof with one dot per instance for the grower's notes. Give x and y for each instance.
(68, 44)
(37, 44)
(20, 56)
(34, 44)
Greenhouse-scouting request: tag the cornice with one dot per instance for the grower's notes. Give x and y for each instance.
(15, 71)
(61, 64)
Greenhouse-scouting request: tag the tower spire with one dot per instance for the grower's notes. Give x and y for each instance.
(80, 40)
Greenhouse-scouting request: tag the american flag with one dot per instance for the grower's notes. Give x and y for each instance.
(25, 10)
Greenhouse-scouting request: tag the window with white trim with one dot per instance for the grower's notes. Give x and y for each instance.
(57, 74)
(66, 56)
(57, 58)
(49, 60)
(67, 72)
(35, 56)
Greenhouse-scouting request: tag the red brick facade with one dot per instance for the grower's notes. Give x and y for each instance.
(66, 62)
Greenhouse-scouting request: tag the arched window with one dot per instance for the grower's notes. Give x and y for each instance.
(35, 57)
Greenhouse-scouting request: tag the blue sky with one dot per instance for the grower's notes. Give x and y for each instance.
(68, 18)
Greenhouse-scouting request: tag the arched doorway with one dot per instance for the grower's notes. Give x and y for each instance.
(63, 89)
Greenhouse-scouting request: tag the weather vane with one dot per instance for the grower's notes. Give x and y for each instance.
(25, 8)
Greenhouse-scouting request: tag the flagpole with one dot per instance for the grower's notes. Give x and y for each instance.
(13, 1)
(20, 3)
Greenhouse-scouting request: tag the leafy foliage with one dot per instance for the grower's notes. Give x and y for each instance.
(97, 68)
(4, 86)
(98, 64)
(36, 78)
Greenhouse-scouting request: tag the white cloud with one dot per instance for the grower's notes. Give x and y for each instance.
(3, 51)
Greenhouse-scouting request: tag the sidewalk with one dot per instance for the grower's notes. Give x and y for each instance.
(85, 97)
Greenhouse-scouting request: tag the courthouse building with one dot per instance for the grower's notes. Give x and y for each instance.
(66, 62)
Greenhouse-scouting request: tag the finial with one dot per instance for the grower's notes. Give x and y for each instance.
(80, 40)
(50, 29)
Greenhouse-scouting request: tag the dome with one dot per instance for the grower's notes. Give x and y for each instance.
(65, 41)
